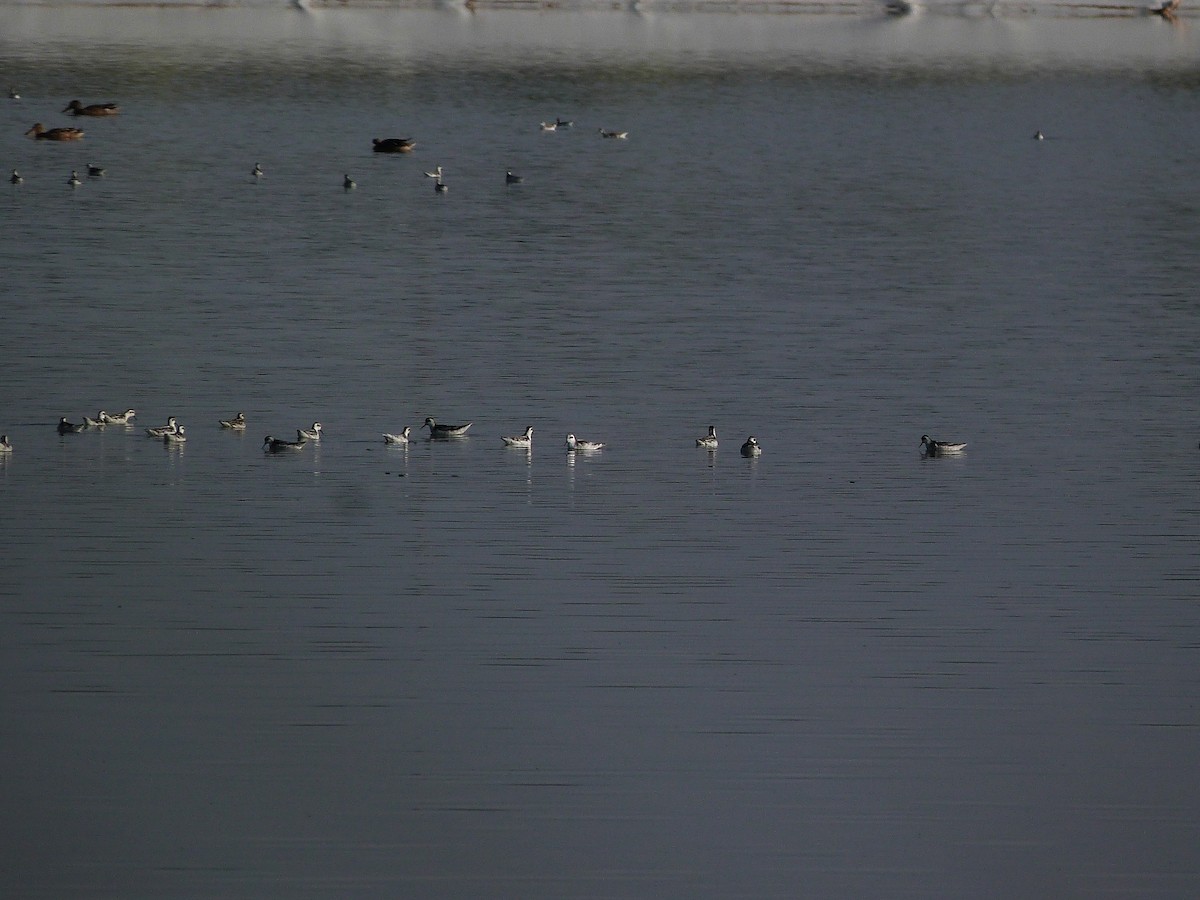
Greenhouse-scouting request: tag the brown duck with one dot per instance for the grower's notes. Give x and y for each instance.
(96, 109)
(39, 132)
(393, 145)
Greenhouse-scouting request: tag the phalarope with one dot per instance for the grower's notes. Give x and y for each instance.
(548, 126)
(159, 430)
(237, 423)
(310, 434)
(279, 445)
(65, 427)
(510, 178)
(521, 440)
(440, 187)
(563, 123)
(436, 173)
(709, 441)
(348, 182)
(95, 171)
(175, 437)
(445, 431)
(401, 438)
(573, 443)
(938, 448)
(15, 177)
(5, 446)
(97, 422)
(74, 181)
(617, 135)
(124, 418)
(751, 448)
(257, 171)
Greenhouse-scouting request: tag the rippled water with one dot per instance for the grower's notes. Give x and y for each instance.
(459, 670)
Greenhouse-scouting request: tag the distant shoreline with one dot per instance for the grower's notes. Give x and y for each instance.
(944, 36)
(963, 8)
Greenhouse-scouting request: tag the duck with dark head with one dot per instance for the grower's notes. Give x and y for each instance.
(76, 108)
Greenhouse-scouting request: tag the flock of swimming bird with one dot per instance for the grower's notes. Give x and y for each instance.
(41, 133)
(378, 145)
(173, 433)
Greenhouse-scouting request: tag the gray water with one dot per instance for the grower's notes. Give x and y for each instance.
(460, 671)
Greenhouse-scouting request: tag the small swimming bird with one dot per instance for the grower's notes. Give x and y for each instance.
(159, 430)
(310, 434)
(348, 182)
(39, 132)
(751, 448)
(393, 145)
(178, 436)
(95, 171)
(1038, 136)
(709, 441)
(574, 443)
(938, 448)
(401, 438)
(237, 423)
(5, 446)
(76, 108)
(445, 431)
(1167, 10)
(510, 178)
(548, 126)
(436, 173)
(257, 171)
(618, 135)
(279, 445)
(522, 440)
(124, 418)
(564, 123)
(97, 422)
(15, 177)
(12, 94)
(65, 427)
(440, 187)
(74, 181)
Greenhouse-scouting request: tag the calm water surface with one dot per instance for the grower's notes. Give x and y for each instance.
(459, 671)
